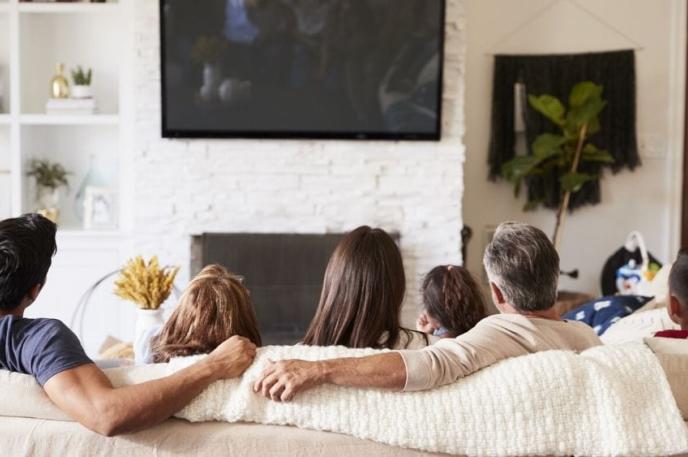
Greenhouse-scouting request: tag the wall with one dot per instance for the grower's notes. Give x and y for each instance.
(187, 187)
(647, 199)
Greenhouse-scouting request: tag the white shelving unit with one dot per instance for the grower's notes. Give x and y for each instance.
(52, 119)
(34, 37)
(57, 8)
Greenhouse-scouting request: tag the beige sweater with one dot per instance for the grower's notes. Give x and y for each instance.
(495, 338)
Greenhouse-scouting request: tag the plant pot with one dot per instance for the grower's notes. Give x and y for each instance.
(48, 201)
(145, 320)
(79, 91)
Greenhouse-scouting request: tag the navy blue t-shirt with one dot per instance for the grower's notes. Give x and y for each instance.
(39, 347)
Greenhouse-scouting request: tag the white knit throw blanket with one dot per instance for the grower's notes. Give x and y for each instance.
(607, 401)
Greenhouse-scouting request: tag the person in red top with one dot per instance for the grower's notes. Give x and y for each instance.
(678, 297)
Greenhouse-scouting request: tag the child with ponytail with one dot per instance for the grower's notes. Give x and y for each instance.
(452, 302)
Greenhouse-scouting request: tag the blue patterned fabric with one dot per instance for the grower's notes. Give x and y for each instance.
(606, 311)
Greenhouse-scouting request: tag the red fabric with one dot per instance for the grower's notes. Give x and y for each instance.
(678, 334)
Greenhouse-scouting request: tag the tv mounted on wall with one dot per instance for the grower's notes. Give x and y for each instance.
(340, 69)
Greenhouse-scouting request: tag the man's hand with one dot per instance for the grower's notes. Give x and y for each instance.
(232, 358)
(280, 381)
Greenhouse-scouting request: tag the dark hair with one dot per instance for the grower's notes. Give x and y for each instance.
(523, 263)
(362, 293)
(678, 278)
(27, 244)
(453, 298)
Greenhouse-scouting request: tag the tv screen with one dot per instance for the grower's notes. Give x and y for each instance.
(366, 69)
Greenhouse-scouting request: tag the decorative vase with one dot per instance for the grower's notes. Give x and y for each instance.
(59, 86)
(81, 91)
(48, 200)
(95, 177)
(145, 320)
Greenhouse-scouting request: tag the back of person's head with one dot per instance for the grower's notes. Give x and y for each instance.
(27, 245)
(678, 280)
(214, 307)
(362, 293)
(453, 298)
(522, 262)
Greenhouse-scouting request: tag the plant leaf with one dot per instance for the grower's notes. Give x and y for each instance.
(584, 91)
(519, 167)
(547, 145)
(572, 182)
(594, 126)
(550, 107)
(585, 114)
(591, 153)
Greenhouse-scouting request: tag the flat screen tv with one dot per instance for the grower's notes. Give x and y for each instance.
(348, 69)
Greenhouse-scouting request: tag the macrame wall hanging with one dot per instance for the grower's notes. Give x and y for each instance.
(516, 76)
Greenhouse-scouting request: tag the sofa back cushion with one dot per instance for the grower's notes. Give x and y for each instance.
(21, 396)
(673, 355)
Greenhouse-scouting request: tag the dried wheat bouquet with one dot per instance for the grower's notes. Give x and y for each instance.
(145, 284)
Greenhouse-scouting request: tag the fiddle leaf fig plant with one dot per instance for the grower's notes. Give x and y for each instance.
(562, 153)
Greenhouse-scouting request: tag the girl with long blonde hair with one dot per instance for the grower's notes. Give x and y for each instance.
(214, 307)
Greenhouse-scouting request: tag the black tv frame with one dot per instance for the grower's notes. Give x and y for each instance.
(300, 135)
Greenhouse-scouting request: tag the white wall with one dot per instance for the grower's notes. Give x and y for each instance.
(646, 199)
(181, 188)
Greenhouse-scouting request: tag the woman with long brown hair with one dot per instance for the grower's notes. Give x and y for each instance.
(214, 307)
(362, 294)
(452, 302)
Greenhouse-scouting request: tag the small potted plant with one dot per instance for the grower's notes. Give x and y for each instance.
(50, 178)
(82, 83)
(147, 285)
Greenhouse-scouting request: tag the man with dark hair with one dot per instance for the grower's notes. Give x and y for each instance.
(678, 297)
(523, 268)
(48, 350)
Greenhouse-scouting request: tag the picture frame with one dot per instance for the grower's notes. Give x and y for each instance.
(100, 208)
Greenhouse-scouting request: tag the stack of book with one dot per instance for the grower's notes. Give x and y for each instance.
(71, 106)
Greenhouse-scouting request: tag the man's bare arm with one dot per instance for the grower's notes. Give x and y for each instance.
(87, 395)
(280, 381)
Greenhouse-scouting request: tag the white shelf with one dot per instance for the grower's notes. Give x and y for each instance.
(60, 8)
(59, 119)
(34, 37)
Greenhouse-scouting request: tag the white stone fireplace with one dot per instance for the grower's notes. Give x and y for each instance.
(179, 188)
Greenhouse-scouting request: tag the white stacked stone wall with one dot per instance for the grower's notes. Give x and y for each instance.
(185, 187)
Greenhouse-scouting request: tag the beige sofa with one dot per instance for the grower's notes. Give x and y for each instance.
(21, 434)
(174, 438)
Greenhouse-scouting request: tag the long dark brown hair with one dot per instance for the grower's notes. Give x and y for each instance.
(214, 307)
(362, 293)
(453, 298)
